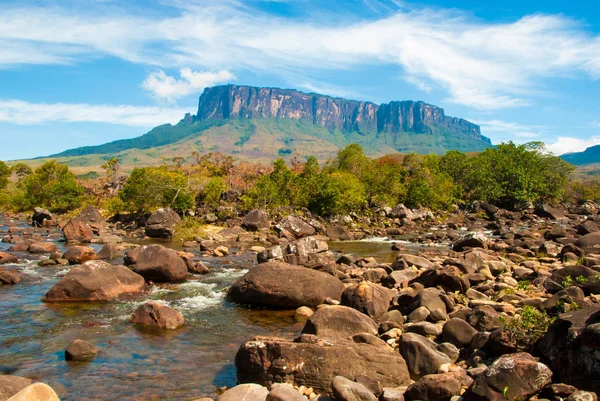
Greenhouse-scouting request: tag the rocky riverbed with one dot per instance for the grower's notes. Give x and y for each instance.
(487, 305)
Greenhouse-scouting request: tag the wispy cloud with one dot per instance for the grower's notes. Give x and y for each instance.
(24, 113)
(163, 86)
(472, 61)
(508, 130)
(568, 144)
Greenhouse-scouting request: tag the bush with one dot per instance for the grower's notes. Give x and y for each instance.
(4, 175)
(211, 195)
(52, 186)
(189, 229)
(150, 188)
(340, 193)
(526, 329)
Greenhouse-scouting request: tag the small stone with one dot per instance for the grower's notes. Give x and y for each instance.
(80, 351)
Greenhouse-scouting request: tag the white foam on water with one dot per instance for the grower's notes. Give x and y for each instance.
(199, 302)
(229, 273)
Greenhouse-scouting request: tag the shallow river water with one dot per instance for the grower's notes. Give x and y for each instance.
(136, 363)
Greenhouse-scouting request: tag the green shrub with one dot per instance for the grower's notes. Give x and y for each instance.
(150, 188)
(340, 193)
(526, 329)
(211, 195)
(4, 175)
(189, 229)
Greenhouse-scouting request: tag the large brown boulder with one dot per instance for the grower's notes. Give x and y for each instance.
(339, 322)
(371, 299)
(422, 355)
(511, 377)
(42, 247)
(93, 217)
(77, 254)
(571, 348)
(11, 385)
(157, 263)
(9, 277)
(550, 212)
(7, 258)
(314, 362)
(282, 286)
(471, 240)
(438, 387)
(590, 243)
(158, 315)
(245, 392)
(77, 230)
(256, 220)
(95, 280)
(295, 226)
(580, 276)
(40, 215)
(161, 224)
(36, 392)
(80, 351)
(338, 233)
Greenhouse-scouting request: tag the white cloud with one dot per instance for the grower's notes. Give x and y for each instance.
(163, 86)
(480, 65)
(568, 144)
(505, 130)
(24, 113)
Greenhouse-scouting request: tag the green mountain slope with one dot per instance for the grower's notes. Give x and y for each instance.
(589, 156)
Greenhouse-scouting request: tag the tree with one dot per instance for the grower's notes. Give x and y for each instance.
(4, 175)
(340, 193)
(52, 186)
(211, 195)
(21, 170)
(150, 188)
(112, 171)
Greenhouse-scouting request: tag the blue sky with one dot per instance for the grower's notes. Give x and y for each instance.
(85, 72)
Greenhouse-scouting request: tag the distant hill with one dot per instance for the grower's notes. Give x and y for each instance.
(589, 156)
(261, 124)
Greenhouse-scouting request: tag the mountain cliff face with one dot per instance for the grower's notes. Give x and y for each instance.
(589, 156)
(245, 102)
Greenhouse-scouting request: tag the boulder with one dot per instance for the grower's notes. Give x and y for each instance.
(256, 220)
(282, 286)
(590, 243)
(471, 240)
(6, 258)
(314, 362)
(458, 332)
(404, 260)
(245, 392)
(156, 314)
(9, 277)
(431, 298)
(80, 351)
(549, 212)
(42, 247)
(338, 233)
(40, 215)
(347, 390)
(450, 278)
(339, 322)
(92, 216)
(95, 281)
(511, 377)
(77, 230)
(296, 226)
(157, 263)
(35, 392)
(161, 224)
(580, 276)
(11, 385)
(574, 358)
(421, 354)
(371, 299)
(284, 392)
(437, 387)
(77, 255)
(108, 252)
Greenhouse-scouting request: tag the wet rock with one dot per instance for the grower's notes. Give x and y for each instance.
(11, 385)
(80, 351)
(339, 322)
(513, 377)
(303, 313)
(295, 226)
(161, 224)
(421, 354)
(76, 230)
(371, 299)
(245, 392)
(42, 247)
(347, 390)
(256, 220)
(220, 251)
(472, 240)
(284, 286)
(157, 263)
(157, 315)
(338, 233)
(437, 387)
(108, 252)
(40, 215)
(6, 258)
(314, 362)
(77, 255)
(9, 277)
(36, 392)
(198, 268)
(95, 281)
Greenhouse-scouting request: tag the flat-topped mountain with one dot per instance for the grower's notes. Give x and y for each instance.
(589, 156)
(261, 124)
